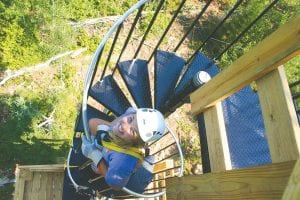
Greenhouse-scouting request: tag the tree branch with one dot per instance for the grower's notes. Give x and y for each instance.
(42, 65)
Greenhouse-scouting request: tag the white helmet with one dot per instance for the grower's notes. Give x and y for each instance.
(151, 124)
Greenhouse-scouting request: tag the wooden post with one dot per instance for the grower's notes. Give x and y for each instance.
(217, 139)
(292, 191)
(167, 164)
(280, 118)
(22, 176)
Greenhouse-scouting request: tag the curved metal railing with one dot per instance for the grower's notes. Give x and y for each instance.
(88, 81)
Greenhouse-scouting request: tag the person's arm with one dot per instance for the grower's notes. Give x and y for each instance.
(101, 168)
(94, 122)
(120, 168)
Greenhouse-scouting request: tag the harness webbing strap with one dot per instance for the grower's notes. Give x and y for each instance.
(133, 151)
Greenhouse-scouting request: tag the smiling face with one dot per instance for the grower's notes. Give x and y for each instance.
(126, 128)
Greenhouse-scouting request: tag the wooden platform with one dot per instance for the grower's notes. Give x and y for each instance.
(45, 182)
(39, 182)
(273, 181)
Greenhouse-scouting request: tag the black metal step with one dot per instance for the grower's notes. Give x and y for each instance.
(185, 85)
(91, 113)
(167, 71)
(199, 63)
(136, 77)
(108, 93)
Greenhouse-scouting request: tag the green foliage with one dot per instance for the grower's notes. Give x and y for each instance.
(190, 143)
(292, 69)
(31, 32)
(172, 4)
(6, 192)
(23, 139)
(82, 9)
(68, 72)
(18, 47)
(18, 132)
(277, 16)
(85, 40)
(159, 25)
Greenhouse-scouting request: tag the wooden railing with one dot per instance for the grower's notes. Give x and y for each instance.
(39, 182)
(262, 64)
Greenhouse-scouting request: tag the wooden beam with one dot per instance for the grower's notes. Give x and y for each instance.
(292, 191)
(218, 149)
(161, 166)
(23, 176)
(273, 51)
(19, 186)
(260, 182)
(44, 168)
(280, 117)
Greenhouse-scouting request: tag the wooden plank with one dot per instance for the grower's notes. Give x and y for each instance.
(39, 182)
(44, 168)
(20, 189)
(261, 182)
(218, 149)
(36, 185)
(273, 51)
(280, 117)
(49, 192)
(43, 188)
(28, 188)
(23, 176)
(163, 165)
(19, 186)
(292, 191)
(57, 185)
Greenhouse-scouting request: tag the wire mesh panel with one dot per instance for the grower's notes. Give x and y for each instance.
(245, 129)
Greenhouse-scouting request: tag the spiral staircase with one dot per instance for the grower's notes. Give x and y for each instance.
(232, 130)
